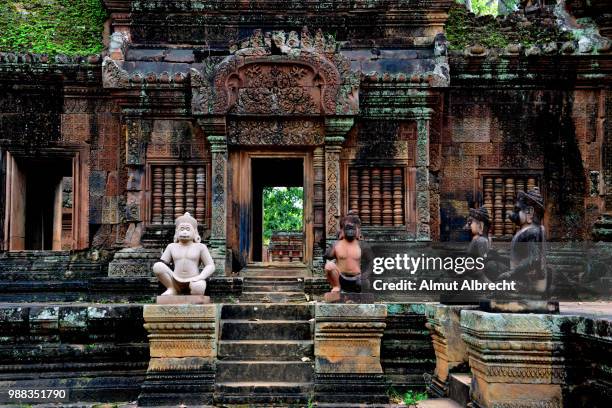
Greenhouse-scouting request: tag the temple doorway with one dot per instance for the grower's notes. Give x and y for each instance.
(278, 209)
(43, 207)
(41, 211)
(255, 235)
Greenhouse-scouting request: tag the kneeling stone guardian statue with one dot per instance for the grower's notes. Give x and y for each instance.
(186, 253)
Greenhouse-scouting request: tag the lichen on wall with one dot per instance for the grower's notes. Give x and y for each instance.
(71, 27)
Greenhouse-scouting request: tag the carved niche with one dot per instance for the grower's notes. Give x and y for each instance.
(277, 74)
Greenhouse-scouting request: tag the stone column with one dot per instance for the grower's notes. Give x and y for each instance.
(422, 176)
(182, 344)
(215, 131)
(347, 353)
(335, 130)
(443, 322)
(519, 360)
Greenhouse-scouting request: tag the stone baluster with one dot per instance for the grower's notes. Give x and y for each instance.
(398, 196)
(190, 190)
(158, 180)
(200, 207)
(364, 200)
(354, 190)
(498, 206)
(168, 196)
(488, 199)
(376, 197)
(510, 197)
(387, 197)
(179, 191)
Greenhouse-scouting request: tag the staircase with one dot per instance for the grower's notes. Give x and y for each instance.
(274, 285)
(265, 354)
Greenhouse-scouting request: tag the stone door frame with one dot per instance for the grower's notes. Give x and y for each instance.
(241, 193)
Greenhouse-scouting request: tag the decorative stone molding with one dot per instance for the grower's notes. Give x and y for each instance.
(518, 360)
(443, 322)
(182, 343)
(347, 353)
(278, 73)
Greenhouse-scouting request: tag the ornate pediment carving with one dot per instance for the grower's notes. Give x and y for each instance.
(278, 74)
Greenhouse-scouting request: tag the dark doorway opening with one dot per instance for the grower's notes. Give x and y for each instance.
(48, 203)
(272, 173)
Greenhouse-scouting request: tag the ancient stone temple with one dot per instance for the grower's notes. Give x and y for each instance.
(372, 106)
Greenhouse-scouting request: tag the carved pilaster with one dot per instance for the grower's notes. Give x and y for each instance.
(347, 353)
(422, 178)
(182, 343)
(215, 131)
(318, 205)
(336, 129)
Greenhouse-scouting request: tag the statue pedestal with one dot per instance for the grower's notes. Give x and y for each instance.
(518, 359)
(347, 353)
(443, 322)
(182, 300)
(182, 342)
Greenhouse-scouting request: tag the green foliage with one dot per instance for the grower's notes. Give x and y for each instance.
(413, 397)
(409, 398)
(283, 210)
(464, 29)
(71, 27)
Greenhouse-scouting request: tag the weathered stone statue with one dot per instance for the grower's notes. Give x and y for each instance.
(479, 223)
(186, 254)
(343, 259)
(527, 251)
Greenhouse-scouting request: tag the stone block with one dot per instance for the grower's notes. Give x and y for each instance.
(183, 346)
(347, 352)
(182, 300)
(73, 324)
(134, 262)
(44, 323)
(519, 359)
(443, 322)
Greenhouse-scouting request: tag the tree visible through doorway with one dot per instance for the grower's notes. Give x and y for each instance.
(283, 210)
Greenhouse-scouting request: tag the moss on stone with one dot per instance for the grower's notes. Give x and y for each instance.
(71, 27)
(464, 29)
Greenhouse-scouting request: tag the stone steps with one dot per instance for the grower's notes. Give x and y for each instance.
(265, 354)
(272, 297)
(265, 349)
(266, 371)
(268, 312)
(265, 329)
